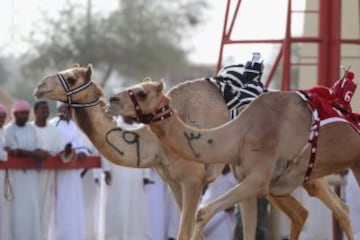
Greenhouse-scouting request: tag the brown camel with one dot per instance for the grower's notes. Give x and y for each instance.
(140, 148)
(266, 145)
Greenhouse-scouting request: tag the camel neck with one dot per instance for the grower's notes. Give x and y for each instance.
(199, 145)
(120, 146)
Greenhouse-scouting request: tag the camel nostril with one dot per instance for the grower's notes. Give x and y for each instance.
(113, 99)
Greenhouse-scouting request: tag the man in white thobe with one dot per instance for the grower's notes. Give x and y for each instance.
(52, 141)
(4, 197)
(93, 189)
(125, 209)
(156, 200)
(70, 215)
(21, 140)
(352, 199)
(172, 216)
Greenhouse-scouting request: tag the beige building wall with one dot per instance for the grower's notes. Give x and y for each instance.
(350, 53)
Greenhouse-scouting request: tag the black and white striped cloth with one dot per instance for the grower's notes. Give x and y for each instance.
(239, 84)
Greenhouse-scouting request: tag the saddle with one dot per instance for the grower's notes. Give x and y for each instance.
(319, 98)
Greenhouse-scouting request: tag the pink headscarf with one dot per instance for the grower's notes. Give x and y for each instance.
(2, 108)
(20, 106)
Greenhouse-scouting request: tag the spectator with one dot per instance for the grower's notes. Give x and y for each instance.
(21, 141)
(46, 134)
(352, 199)
(156, 200)
(93, 189)
(161, 206)
(70, 212)
(4, 185)
(172, 216)
(126, 206)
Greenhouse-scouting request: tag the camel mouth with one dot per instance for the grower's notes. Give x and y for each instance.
(39, 94)
(115, 112)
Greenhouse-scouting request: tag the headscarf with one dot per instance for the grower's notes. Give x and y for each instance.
(20, 106)
(59, 104)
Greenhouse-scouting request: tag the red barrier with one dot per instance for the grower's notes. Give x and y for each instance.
(50, 163)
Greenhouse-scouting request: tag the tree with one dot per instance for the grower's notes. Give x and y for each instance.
(139, 38)
(4, 74)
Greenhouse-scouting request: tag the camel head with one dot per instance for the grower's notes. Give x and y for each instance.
(73, 85)
(140, 101)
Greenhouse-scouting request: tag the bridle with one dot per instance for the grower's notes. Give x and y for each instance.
(159, 113)
(69, 92)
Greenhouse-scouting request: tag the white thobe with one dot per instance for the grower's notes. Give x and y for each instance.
(52, 141)
(318, 213)
(222, 224)
(69, 213)
(25, 207)
(352, 199)
(94, 210)
(172, 216)
(4, 202)
(156, 199)
(126, 206)
(125, 216)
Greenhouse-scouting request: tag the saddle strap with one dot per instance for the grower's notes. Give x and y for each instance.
(313, 139)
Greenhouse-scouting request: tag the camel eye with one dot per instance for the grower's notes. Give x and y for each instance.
(71, 80)
(141, 95)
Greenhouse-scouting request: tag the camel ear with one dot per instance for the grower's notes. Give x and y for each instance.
(89, 71)
(76, 65)
(160, 86)
(147, 79)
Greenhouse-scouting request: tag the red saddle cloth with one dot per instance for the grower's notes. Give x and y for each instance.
(320, 98)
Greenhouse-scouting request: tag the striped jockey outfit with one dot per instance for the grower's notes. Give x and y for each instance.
(239, 84)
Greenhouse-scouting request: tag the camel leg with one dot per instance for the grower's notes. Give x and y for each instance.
(187, 199)
(319, 188)
(248, 211)
(178, 196)
(191, 192)
(250, 187)
(294, 210)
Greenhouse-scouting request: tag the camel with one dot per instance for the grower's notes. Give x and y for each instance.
(266, 145)
(141, 149)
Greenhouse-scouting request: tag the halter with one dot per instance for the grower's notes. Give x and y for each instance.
(69, 92)
(159, 113)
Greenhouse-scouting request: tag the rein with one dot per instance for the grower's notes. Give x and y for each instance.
(159, 113)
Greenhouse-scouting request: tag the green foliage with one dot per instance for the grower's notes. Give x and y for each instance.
(140, 38)
(4, 74)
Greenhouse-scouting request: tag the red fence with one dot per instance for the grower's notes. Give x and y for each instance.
(51, 163)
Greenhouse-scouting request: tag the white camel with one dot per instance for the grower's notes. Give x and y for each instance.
(266, 145)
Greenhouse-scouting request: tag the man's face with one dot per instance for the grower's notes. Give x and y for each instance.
(21, 117)
(2, 119)
(64, 109)
(42, 112)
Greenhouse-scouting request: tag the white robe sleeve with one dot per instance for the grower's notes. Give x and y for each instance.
(3, 155)
(10, 140)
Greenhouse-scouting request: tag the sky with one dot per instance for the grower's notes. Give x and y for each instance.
(254, 21)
